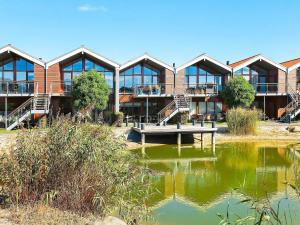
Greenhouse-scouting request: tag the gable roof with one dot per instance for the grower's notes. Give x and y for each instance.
(291, 64)
(10, 48)
(245, 62)
(143, 57)
(204, 57)
(82, 49)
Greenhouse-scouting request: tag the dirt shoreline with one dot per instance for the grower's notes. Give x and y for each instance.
(267, 131)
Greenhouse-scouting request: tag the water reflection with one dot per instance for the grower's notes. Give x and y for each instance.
(194, 184)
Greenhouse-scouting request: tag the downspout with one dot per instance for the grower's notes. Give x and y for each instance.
(45, 80)
(174, 75)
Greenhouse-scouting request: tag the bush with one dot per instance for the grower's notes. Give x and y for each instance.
(238, 92)
(242, 121)
(183, 117)
(118, 119)
(77, 167)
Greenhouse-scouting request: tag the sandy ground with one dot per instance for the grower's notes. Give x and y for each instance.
(267, 131)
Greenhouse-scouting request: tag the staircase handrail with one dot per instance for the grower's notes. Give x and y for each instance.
(21, 106)
(170, 106)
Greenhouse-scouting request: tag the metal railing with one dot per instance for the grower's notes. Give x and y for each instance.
(202, 89)
(60, 87)
(266, 88)
(154, 89)
(18, 87)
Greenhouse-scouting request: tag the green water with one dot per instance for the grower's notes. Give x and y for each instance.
(193, 185)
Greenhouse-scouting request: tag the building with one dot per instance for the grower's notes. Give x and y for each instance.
(145, 88)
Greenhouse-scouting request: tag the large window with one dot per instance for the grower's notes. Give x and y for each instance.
(81, 65)
(17, 75)
(196, 76)
(138, 75)
(16, 70)
(210, 107)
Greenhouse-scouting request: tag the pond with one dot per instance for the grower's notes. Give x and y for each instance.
(233, 182)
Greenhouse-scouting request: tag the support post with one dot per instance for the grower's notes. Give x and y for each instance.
(178, 138)
(127, 121)
(213, 138)
(202, 123)
(264, 108)
(143, 138)
(5, 112)
(193, 121)
(147, 109)
(117, 103)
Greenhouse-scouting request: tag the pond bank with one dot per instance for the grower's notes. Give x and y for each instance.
(267, 131)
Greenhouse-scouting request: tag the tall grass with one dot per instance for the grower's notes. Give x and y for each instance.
(242, 121)
(77, 167)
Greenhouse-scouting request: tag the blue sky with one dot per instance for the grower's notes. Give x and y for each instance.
(171, 30)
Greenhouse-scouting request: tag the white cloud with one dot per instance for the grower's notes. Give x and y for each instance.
(90, 8)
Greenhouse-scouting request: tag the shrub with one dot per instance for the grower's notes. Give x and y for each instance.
(238, 92)
(242, 121)
(90, 92)
(183, 117)
(77, 167)
(118, 119)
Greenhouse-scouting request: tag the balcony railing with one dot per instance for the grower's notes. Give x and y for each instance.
(18, 87)
(153, 90)
(60, 88)
(266, 88)
(202, 89)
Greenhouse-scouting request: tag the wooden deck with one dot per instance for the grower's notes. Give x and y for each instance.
(144, 130)
(172, 129)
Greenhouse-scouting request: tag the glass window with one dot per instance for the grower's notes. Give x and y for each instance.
(192, 70)
(8, 66)
(246, 70)
(99, 68)
(109, 79)
(238, 72)
(21, 65)
(89, 65)
(67, 76)
(219, 107)
(154, 80)
(21, 76)
(128, 81)
(210, 79)
(30, 76)
(30, 66)
(147, 71)
(128, 72)
(192, 81)
(137, 69)
(202, 71)
(8, 76)
(68, 68)
(210, 107)
(202, 80)
(147, 80)
(202, 107)
(137, 80)
(77, 66)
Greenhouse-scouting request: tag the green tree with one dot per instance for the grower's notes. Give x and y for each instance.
(238, 92)
(90, 92)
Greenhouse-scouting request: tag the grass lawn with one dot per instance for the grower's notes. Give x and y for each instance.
(4, 131)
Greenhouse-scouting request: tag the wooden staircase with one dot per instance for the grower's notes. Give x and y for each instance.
(180, 103)
(293, 108)
(38, 104)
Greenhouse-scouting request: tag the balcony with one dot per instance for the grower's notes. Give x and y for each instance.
(58, 88)
(269, 88)
(18, 88)
(153, 90)
(202, 89)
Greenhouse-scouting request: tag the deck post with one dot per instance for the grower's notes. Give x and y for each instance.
(178, 138)
(5, 112)
(143, 137)
(165, 123)
(193, 121)
(147, 109)
(264, 107)
(202, 123)
(127, 121)
(134, 123)
(213, 134)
